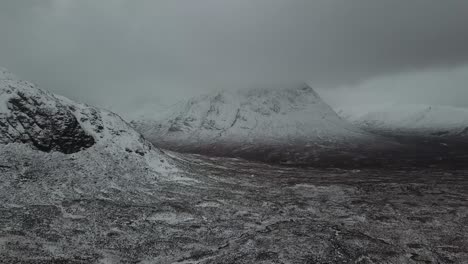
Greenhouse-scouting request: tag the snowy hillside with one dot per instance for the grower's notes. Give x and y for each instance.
(247, 121)
(49, 123)
(420, 119)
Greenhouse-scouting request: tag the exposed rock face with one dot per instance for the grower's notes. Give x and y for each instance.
(34, 120)
(29, 115)
(47, 128)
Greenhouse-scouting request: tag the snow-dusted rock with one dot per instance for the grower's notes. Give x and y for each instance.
(50, 123)
(254, 121)
(33, 116)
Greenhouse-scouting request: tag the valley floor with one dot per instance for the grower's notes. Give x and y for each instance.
(233, 211)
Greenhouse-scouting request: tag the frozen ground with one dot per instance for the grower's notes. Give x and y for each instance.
(229, 211)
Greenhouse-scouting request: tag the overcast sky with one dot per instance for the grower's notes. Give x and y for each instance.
(128, 55)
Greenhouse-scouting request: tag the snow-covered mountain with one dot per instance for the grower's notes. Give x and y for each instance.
(258, 123)
(33, 120)
(419, 119)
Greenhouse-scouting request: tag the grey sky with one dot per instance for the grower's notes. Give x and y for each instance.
(125, 55)
(444, 86)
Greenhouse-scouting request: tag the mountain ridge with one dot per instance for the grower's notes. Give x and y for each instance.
(51, 123)
(279, 124)
(423, 119)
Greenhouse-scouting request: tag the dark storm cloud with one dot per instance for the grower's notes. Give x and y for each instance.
(124, 54)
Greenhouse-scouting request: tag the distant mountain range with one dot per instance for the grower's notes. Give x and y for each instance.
(412, 119)
(292, 126)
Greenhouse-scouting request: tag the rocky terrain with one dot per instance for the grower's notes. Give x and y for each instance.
(229, 211)
(26, 114)
(51, 123)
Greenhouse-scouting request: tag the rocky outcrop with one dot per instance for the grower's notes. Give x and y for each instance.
(32, 119)
(32, 116)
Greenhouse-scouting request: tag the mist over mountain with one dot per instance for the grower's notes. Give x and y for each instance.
(120, 55)
(416, 119)
(291, 125)
(162, 132)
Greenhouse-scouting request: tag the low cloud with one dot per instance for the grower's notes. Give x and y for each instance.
(443, 86)
(123, 54)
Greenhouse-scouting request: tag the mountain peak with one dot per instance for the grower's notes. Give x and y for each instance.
(234, 122)
(47, 122)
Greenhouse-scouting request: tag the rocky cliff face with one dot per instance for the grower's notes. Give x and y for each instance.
(32, 116)
(52, 123)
